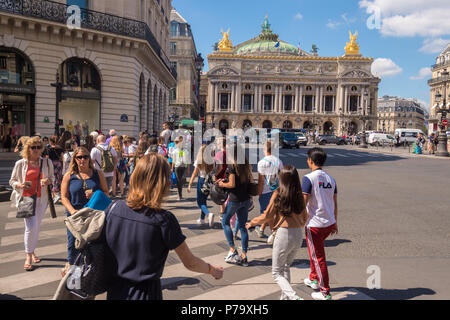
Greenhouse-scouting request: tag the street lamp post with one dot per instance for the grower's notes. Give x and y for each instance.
(442, 150)
(363, 117)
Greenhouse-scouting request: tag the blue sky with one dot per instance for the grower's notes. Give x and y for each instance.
(403, 47)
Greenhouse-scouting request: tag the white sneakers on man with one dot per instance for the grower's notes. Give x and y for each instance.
(211, 220)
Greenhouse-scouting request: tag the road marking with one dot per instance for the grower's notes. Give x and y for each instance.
(253, 288)
(20, 223)
(26, 280)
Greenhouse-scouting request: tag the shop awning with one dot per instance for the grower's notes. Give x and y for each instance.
(187, 122)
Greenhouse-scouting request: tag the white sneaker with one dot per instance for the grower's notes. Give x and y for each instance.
(312, 284)
(211, 220)
(320, 296)
(259, 232)
(57, 199)
(232, 257)
(201, 222)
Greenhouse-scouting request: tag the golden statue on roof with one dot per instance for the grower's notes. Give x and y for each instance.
(226, 44)
(352, 47)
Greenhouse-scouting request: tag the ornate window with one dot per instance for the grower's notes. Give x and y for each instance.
(268, 87)
(308, 88)
(224, 86)
(329, 89)
(354, 88)
(288, 88)
(248, 87)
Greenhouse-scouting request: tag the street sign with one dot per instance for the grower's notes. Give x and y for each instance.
(445, 122)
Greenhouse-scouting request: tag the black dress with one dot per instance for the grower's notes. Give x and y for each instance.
(138, 245)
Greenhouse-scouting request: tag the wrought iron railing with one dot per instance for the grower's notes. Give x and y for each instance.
(93, 20)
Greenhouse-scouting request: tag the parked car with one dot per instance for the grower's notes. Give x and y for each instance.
(302, 140)
(378, 139)
(288, 140)
(330, 139)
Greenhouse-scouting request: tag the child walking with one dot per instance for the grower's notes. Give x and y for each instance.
(320, 194)
(286, 213)
(202, 169)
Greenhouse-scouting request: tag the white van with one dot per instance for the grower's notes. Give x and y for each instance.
(407, 135)
(380, 139)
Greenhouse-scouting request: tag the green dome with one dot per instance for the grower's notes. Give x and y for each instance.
(266, 43)
(267, 46)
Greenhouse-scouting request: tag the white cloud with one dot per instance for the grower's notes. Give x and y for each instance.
(333, 24)
(298, 16)
(425, 105)
(423, 73)
(434, 45)
(384, 67)
(410, 18)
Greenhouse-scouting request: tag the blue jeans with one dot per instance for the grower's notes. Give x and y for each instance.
(72, 253)
(201, 199)
(264, 201)
(241, 210)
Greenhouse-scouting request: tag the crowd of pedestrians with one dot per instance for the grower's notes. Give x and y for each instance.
(139, 234)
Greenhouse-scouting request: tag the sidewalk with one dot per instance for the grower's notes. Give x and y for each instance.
(402, 151)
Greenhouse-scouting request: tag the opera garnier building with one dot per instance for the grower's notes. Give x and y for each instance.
(268, 83)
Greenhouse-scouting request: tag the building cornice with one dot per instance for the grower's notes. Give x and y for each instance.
(236, 56)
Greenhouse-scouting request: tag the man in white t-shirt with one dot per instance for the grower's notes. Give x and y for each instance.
(96, 155)
(320, 194)
(268, 170)
(166, 134)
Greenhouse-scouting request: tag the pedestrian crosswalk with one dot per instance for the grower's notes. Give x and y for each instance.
(239, 283)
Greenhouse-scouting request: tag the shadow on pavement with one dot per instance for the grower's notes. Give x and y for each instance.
(298, 263)
(390, 294)
(9, 297)
(174, 283)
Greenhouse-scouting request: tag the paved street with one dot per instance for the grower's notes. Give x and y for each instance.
(393, 213)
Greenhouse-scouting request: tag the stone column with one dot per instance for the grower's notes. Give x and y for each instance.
(301, 101)
(280, 100)
(275, 104)
(317, 100)
(210, 97)
(233, 97)
(321, 101)
(216, 98)
(239, 98)
(296, 104)
(346, 111)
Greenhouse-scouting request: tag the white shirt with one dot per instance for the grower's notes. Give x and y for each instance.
(321, 191)
(201, 174)
(166, 134)
(96, 156)
(269, 167)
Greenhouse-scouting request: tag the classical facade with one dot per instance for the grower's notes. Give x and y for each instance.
(399, 113)
(184, 98)
(437, 85)
(110, 71)
(268, 83)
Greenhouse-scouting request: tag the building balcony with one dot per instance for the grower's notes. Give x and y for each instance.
(91, 20)
(438, 79)
(439, 65)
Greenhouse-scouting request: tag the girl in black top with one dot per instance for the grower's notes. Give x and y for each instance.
(140, 234)
(239, 177)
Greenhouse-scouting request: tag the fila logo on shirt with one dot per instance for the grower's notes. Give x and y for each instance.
(325, 185)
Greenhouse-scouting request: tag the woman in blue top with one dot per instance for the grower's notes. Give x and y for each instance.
(78, 186)
(139, 235)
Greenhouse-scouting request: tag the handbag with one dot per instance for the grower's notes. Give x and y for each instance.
(218, 195)
(27, 205)
(51, 204)
(89, 275)
(271, 238)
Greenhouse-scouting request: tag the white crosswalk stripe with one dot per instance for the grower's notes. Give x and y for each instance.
(257, 285)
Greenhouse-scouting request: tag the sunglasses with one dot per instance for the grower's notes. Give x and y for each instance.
(36, 148)
(83, 157)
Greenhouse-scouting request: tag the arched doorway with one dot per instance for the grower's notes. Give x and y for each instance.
(287, 124)
(149, 104)
(141, 102)
(352, 128)
(155, 109)
(81, 96)
(328, 128)
(224, 126)
(267, 124)
(307, 125)
(17, 94)
(247, 124)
